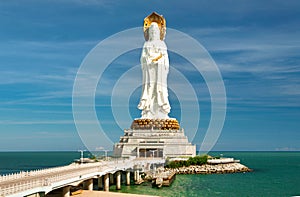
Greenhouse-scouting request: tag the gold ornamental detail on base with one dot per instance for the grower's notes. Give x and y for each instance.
(155, 124)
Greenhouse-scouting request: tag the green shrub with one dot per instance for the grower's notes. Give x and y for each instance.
(197, 160)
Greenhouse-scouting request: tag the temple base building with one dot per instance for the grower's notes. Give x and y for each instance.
(154, 138)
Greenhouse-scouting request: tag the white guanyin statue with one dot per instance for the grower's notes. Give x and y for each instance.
(154, 101)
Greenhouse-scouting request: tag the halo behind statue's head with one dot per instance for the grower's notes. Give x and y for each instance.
(160, 20)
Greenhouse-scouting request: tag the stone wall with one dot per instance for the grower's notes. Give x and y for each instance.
(211, 169)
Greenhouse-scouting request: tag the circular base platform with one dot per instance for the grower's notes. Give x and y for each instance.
(155, 124)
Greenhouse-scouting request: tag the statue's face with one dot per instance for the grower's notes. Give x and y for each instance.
(154, 32)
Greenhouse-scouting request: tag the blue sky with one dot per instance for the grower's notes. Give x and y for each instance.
(256, 45)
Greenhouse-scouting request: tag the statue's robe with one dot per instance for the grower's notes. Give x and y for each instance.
(154, 101)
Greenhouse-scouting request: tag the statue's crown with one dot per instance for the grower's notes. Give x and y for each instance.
(160, 20)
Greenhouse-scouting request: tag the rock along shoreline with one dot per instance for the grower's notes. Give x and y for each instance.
(210, 169)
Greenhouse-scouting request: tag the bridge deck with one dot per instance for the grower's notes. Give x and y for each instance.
(46, 180)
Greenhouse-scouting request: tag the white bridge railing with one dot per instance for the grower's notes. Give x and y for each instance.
(19, 182)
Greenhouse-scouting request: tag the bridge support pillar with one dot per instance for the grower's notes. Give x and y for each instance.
(88, 184)
(66, 191)
(118, 180)
(106, 182)
(136, 175)
(100, 183)
(127, 177)
(111, 179)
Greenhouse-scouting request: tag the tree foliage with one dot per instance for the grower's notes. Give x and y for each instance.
(197, 160)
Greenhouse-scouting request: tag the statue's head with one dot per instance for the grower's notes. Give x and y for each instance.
(159, 20)
(154, 32)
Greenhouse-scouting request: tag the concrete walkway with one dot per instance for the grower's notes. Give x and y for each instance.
(86, 193)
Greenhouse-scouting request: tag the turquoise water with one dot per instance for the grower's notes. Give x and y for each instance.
(275, 174)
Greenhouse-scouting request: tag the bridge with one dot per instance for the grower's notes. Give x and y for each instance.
(38, 183)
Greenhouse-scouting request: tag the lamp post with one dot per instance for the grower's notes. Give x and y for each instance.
(81, 155)
(105, 151)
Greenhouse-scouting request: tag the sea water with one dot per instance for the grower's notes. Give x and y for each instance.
(275, 174)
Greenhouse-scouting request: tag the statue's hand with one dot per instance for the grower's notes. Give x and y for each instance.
(142, 104)
(157, 58)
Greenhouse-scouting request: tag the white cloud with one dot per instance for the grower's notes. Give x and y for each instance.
(287, 149)
(65, 75)
(45, 122)
(101, 3)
